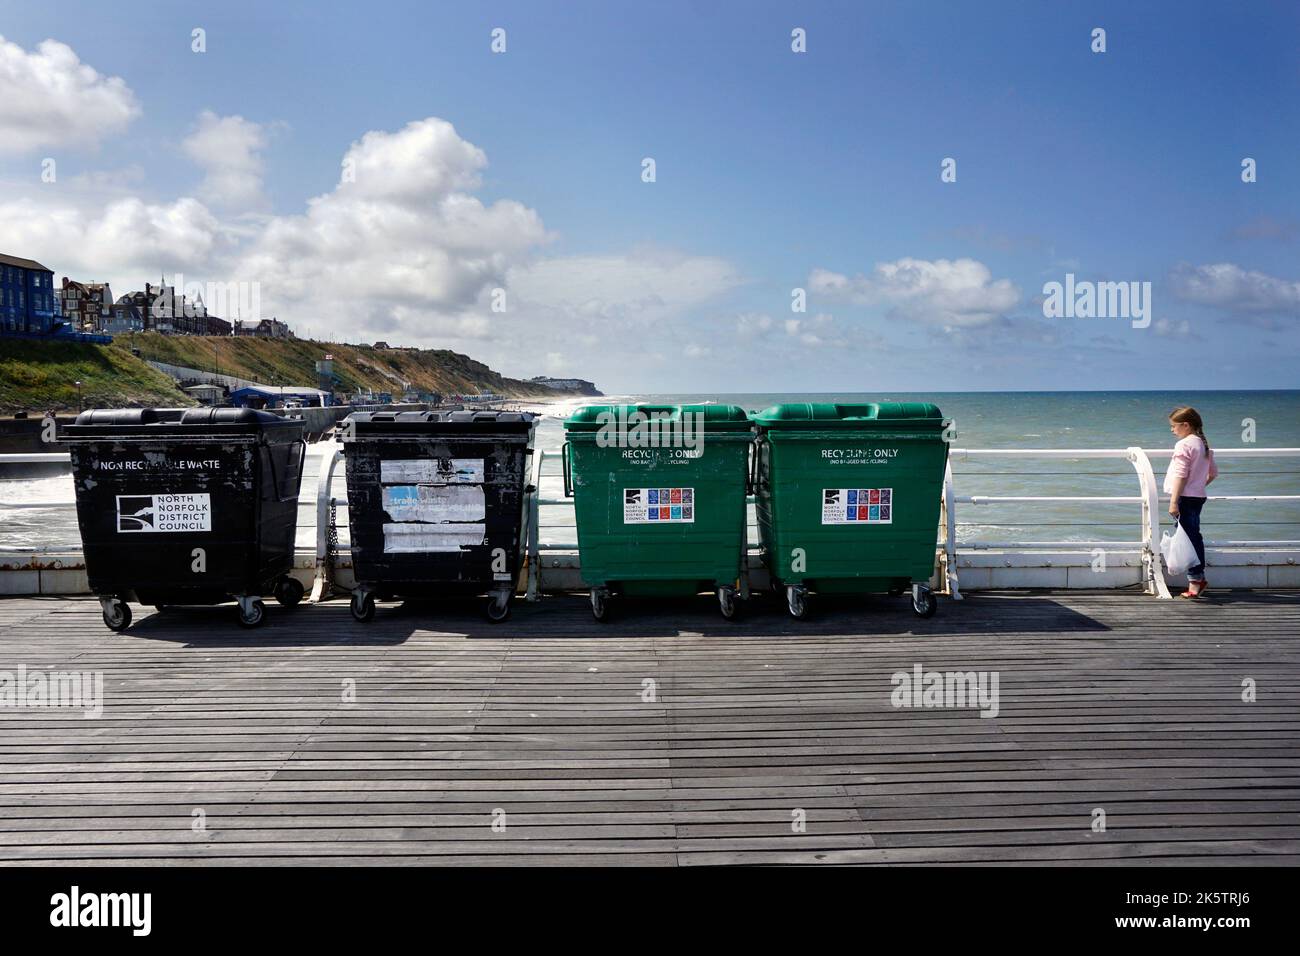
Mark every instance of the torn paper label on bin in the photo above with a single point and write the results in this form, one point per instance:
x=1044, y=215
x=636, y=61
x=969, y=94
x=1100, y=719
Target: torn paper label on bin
x=415, y=537
x=435, y=503
x=857, y=506
x=658, y=505
x=432, y=471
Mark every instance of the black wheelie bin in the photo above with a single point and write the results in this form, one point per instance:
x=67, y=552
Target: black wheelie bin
x=187, y=506
x=436, y=503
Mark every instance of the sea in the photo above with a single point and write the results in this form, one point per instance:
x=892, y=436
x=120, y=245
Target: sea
x=38, y=513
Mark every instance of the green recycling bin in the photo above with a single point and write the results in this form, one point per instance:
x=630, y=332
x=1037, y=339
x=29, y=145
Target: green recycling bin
x=659, y=498
x=847, y=498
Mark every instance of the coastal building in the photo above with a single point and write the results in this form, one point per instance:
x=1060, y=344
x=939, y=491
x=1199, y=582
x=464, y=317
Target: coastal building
x=123, y=317
x=266, y=329
x=162, y=310
x=86, y=305
x=154, y=307
x=579, y=385
x=279, y=396
x=206, y=394
x=27, y=297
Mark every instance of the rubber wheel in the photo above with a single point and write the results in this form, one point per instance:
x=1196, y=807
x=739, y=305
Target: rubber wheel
x=289, y=592
x=254, y=618
x=119, y=619
x=796, y=600
x=498, y=610
x=926, y=605
x=728, y=604
x=161, y=608
x=600, y=606
x=363, y=607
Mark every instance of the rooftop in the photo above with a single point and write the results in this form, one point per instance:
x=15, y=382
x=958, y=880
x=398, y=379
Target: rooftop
x=22, y=263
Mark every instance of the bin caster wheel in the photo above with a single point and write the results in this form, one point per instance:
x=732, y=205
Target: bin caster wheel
x=498, y=608
x=289, y=591
x=600, y=604
x=796, y=599
x=251, y=614
x=924, y=603
x=727, y=603
x=162, y=608
x=117, y=614
x=363, y=606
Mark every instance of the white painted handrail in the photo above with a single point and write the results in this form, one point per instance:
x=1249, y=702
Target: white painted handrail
x=1149, y=497
x=324, y=504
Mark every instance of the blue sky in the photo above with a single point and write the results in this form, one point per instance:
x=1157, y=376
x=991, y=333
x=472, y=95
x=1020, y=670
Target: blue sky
x=772, y=168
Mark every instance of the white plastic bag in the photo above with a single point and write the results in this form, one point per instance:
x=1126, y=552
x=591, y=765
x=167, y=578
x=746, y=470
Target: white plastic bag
x=1178, y=550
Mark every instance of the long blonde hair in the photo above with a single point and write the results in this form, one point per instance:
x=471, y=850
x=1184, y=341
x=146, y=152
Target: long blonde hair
x=1190, y=416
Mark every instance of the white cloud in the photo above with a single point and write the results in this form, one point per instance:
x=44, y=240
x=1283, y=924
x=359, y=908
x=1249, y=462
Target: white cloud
x=1231, y=287
x=949, y=293
x=803, y=329
x=48, y=97
x=228, y=150
x=425, y=160
x=399, y=248
x=123, y=241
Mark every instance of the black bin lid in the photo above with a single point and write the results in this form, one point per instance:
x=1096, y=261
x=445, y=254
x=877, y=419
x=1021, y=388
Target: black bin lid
x=460, y=422
x=99, y=423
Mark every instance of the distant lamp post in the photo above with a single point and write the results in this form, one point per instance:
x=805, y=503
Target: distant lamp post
x=80, y=406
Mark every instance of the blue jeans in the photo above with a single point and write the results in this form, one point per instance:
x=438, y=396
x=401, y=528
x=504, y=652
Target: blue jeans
x=1189, y=517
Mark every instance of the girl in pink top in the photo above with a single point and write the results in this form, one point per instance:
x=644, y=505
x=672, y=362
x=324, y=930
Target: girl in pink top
x=1190, y=469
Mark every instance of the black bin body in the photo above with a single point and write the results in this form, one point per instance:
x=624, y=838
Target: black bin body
x=155, y=484
x=435, y=498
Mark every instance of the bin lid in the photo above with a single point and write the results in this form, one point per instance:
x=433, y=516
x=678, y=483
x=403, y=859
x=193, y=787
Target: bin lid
x=109, y=423
x=851, y=416
x=592, y=418
x=460, y=421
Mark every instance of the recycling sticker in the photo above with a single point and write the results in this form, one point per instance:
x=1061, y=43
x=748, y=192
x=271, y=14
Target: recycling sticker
x=658, y=505
x=857, y=506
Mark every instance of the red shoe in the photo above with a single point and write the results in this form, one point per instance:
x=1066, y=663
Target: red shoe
x=1195, y=588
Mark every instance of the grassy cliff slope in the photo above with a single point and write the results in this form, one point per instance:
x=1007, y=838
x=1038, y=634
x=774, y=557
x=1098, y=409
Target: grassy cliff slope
x=293, y=362
x=37, y=375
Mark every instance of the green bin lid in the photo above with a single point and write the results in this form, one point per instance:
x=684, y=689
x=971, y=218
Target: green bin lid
x=830, y=415
x=591, y=418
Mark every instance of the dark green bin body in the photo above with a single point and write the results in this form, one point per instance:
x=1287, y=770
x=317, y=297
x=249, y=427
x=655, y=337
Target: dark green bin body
x=697, y=547
x=848, y=495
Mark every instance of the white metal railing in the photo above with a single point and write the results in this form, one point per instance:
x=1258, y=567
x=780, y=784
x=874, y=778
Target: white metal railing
x=1149, y=497
x=1146, y=544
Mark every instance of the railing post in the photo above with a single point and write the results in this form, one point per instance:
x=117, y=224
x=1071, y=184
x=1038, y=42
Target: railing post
x=322, y=584
x=949, y=506
x=1153, y=575
x=533, y=560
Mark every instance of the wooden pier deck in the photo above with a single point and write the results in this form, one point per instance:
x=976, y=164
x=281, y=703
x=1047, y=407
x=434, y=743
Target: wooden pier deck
x=1109, y=701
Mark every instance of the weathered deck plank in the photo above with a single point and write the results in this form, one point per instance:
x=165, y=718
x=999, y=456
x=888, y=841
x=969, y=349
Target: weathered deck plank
x=1108, y=701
